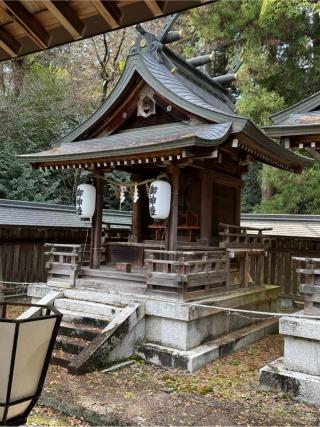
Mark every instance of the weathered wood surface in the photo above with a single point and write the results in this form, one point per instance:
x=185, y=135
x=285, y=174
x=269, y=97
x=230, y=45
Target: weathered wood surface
x=22, y=256
x=280, y=264
x=308, y=270
x=63, y=262
x=185, y=275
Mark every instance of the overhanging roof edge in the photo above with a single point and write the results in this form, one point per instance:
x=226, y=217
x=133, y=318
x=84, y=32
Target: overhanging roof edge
x=278, y=131
x=275, y=148
x=304, y=105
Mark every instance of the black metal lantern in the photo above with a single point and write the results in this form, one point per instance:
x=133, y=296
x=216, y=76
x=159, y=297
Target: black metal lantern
x=26, y=345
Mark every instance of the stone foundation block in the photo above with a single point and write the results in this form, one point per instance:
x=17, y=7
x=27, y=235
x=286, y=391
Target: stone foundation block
x=302, y=387
x=301, y=344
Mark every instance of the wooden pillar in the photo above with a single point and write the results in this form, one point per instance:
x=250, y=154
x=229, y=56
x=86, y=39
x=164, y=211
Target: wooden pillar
x=137, y=215
x=237, y=206
x=96, y=228
x=206, y=207
x=244, y=269
x=172, y=228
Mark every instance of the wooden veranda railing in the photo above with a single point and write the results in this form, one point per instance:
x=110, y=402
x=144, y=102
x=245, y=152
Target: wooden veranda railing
x=246, y=246
x=63, y=262
x=236, y=236
x=186, y=274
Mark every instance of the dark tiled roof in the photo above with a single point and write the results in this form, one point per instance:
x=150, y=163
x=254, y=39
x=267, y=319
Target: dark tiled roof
x=15, y=213
x=185, y=88
x=137, y=141
x=304, y=106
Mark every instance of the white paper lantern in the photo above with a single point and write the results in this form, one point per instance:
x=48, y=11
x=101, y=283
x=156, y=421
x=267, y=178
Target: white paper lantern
x=159, y=199
x=86, y=201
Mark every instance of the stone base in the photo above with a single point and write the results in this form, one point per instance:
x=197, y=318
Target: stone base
x=301, y=344
x=185, y=335
x=198, y=357
x=302, y=387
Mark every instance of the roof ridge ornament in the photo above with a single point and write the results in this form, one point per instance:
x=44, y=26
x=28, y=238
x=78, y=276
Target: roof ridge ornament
x=153, y=43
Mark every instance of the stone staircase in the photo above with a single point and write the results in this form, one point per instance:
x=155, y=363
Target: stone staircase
x=83, y=321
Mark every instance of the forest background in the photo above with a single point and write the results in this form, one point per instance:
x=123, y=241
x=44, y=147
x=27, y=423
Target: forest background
x=45, y=95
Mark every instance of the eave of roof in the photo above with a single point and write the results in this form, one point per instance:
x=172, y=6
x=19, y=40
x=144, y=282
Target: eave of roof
x=273, y=148
x=285, y=225
x=141, y=140
x=58, y=24
x=291, y=130
x=306, y=105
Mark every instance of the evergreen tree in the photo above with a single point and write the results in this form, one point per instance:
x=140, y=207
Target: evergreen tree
x=278, y=41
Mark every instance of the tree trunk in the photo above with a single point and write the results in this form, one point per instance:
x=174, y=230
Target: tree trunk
x=20, y=67
x=267, y=191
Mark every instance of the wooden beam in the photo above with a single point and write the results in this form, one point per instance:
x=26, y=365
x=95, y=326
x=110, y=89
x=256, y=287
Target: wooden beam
x=9, y=44
x=164, y=5
x=109, y=12
x=137, y=213
x=67, y=17
x=27, y=22
x=154, y=8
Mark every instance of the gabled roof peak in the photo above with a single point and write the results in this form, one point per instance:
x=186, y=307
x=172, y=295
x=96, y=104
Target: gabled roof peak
x=148, y=43
x=306, y=105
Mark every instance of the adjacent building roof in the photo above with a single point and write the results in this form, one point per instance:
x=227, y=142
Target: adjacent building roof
x=300, y=119
x=298, y=125
x=304, y=226
x=306, y=105
x=14, y=213
x=30, y=26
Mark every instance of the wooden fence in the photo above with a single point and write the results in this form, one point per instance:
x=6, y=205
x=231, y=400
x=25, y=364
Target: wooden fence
x=280, y=267
x=22, y=255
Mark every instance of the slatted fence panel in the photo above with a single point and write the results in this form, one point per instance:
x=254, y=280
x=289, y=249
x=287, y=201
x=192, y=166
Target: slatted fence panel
x=22, y=256
x=280, y=268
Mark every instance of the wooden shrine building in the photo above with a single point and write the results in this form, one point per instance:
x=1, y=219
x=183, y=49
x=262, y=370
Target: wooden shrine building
x=298, y=126
x=167, y=117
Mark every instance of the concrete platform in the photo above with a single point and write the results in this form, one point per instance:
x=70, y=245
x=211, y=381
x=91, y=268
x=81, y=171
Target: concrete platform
x=180, y=334
x=302, y=387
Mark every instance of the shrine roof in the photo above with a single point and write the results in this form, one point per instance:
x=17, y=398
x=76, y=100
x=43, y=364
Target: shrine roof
x=302, y=118
x=147, y=139
x=161, y=138
x=181, y=85
x=306, y=105
x=23, y=214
